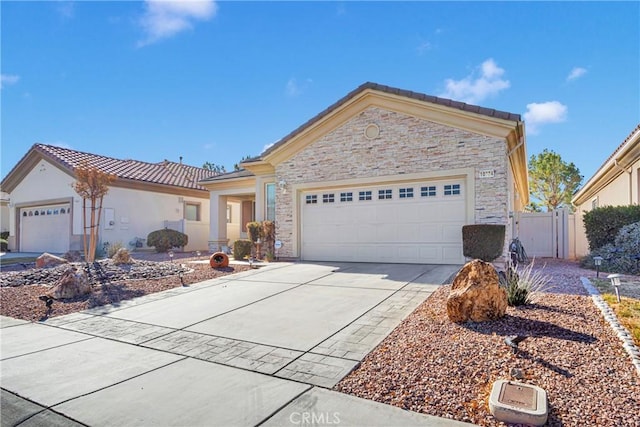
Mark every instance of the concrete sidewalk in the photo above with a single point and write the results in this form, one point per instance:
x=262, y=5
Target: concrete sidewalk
x=262, y=347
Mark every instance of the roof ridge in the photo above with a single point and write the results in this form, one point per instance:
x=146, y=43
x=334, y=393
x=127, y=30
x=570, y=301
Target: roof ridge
x=489, y=112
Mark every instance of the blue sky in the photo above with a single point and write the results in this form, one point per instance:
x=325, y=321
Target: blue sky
x=215, y=81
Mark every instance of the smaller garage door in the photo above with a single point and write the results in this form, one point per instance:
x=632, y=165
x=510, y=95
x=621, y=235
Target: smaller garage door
x=45, y=228
x=417, y=222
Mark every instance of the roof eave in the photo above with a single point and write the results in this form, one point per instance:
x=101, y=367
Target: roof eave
x=624, y=156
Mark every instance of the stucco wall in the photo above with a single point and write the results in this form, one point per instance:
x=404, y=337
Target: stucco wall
x=405, y=145
x=622, y=191
x=136, y=212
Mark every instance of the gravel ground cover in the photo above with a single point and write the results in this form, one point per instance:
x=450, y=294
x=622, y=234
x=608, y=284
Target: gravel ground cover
x=20, y=286
x=431, y=365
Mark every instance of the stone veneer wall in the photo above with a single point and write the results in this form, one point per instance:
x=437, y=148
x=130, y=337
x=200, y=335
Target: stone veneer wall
x=405, y=145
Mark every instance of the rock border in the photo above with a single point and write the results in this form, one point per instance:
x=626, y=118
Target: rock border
x=609, y=315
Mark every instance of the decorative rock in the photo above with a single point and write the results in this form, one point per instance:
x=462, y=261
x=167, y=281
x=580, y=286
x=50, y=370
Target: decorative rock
x=122, y=256
x=476, y=294
x=48, y=260
x=71, y=284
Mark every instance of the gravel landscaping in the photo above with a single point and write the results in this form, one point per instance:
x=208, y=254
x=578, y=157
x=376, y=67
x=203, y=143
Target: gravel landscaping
x=427, y=364
x=431, y=365
x=21, y=285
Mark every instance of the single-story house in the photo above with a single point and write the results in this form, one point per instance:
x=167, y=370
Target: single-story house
x=4, y=212
x=382, y=175
x=45, y=212
x=615, y=183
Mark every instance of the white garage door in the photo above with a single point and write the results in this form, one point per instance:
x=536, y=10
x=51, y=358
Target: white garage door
x=419, y=222
x=45, y=228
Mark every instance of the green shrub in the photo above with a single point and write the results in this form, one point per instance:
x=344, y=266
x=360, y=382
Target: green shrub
x=4, y=236
x=242, y=249
x=165, y=239
x=483, y=241
x=523, y=284
x=602, y=224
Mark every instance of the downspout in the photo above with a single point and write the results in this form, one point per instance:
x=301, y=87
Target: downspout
x=630, y=172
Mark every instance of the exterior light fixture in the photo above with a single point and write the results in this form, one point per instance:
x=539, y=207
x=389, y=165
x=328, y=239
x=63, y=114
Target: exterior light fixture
x=615, y=282
x=598, y=262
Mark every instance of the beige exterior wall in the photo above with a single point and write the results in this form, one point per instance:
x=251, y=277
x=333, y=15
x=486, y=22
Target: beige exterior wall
x=406, y=146
x=233, y=227
x=136, y=213
x=4, y=211
x=621, y=191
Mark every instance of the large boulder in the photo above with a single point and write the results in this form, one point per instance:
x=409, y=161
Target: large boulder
x=49, y=260
x=476, y=294
x=71, y=284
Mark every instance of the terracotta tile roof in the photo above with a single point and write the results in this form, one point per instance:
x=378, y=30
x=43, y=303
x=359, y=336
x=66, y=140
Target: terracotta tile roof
x=401, y=92
x=163, y=173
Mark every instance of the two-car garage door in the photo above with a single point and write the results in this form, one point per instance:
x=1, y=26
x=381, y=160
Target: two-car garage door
x=45, y=228
x=418, y=222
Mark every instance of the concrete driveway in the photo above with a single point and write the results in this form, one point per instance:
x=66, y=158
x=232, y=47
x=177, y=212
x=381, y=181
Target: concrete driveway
x=263, y=347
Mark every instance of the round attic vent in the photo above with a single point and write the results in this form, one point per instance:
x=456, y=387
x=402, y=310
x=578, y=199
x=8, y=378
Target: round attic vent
x=372, y=131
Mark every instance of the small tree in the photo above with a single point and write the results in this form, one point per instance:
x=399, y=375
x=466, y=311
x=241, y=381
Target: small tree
x=91, y=184
x=552, y=180
x=218, y=169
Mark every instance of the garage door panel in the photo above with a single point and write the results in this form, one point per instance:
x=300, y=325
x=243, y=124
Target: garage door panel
x=45, y=228
x=418, y=229
x=450, y=254
x=451, y=233
x=408, y=233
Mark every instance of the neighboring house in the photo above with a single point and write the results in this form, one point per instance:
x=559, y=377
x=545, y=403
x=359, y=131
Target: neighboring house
x=45, y=212
x=382, y=175
x=615, y=183
x=4, y=212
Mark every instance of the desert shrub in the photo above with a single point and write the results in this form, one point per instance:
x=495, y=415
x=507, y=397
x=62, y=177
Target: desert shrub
x=242, y=248
x=4, y=236
x=621, y=256
x=483, y=241
x=112, y=248
x=523, y=284
x=254, y=229
x=165, y=239
x=602, y=224
x=121, y=256
x=269, y=239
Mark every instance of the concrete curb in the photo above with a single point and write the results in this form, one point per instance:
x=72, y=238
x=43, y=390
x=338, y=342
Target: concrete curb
x=622, y=332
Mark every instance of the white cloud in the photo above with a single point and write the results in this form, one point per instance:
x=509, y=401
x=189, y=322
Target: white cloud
x=267, y=146
x=423, y=47
x=66, y=9
x=482, y=83
x=165, y=18
x=8, y=79
x=539, y=114
x=294, y=88
x=60, y=144
x=576, y=73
